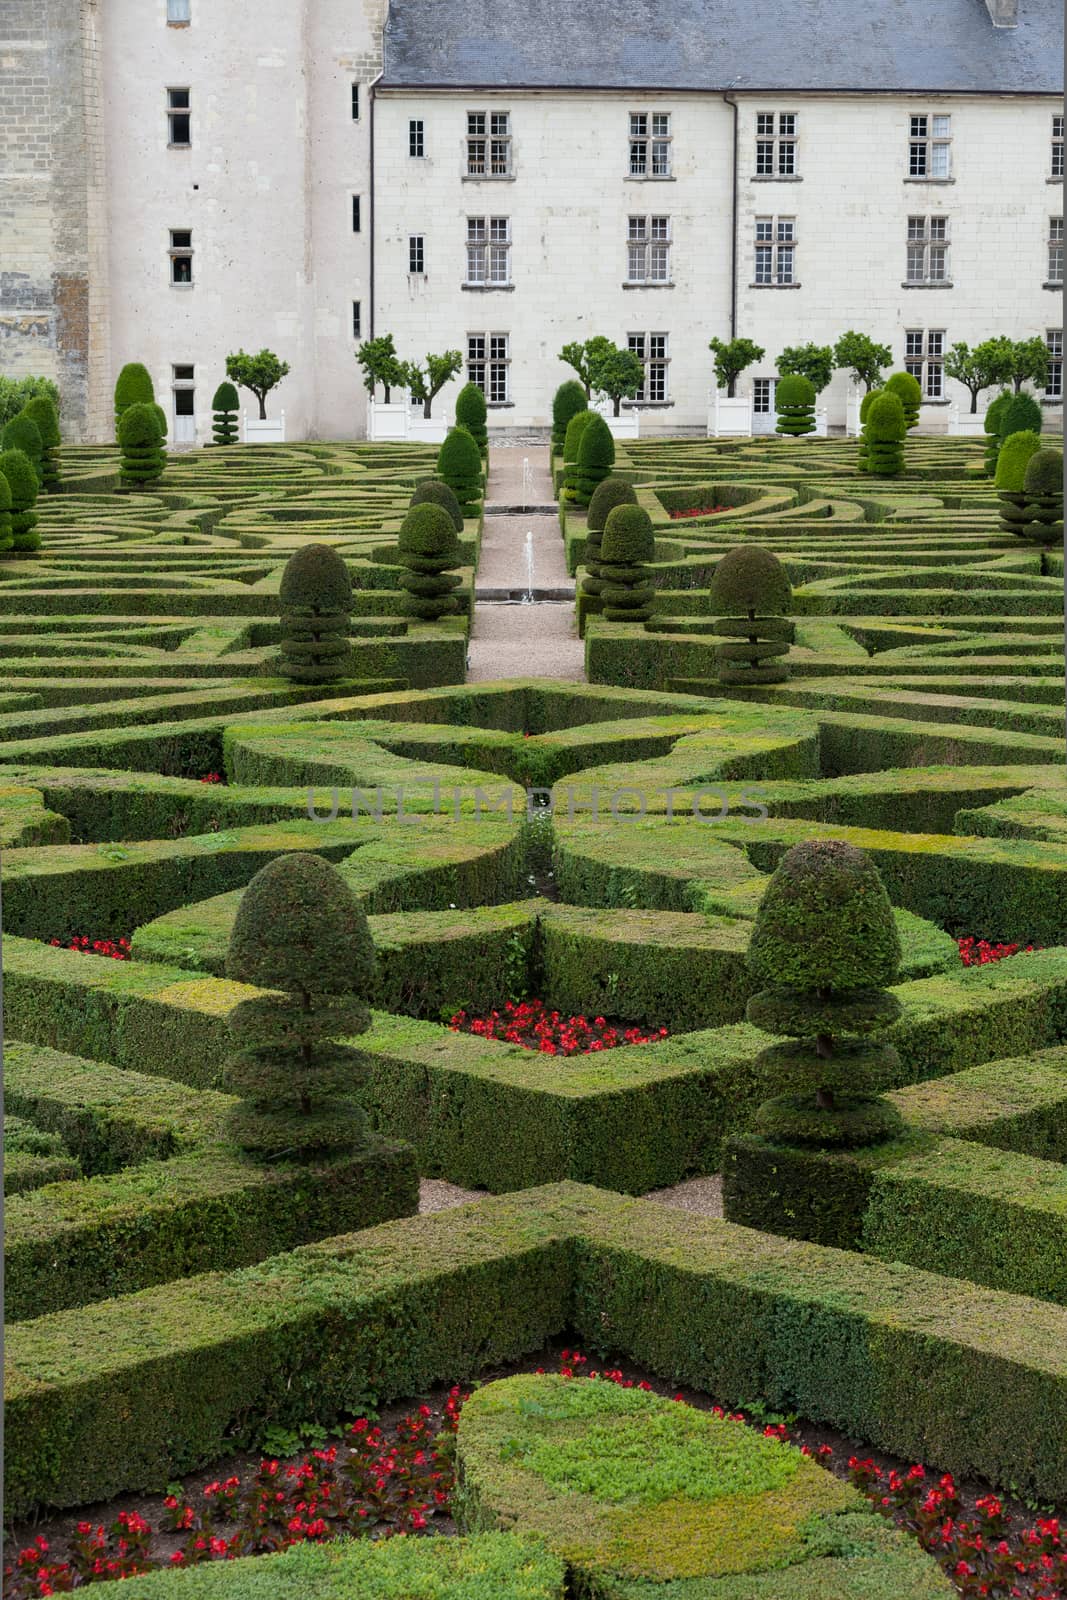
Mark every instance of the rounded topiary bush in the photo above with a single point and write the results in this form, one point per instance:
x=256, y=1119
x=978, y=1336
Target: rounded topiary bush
x=991, y=426
x=865, y=406
x=825, y=943
x=569, y=399
x=571, y=443
x=434, y=491
x=1016, y=452
x=161, y=418
x=1021, y=414
x=315, y=596
x=133, y=387
x=42, y=411
x=141, y=443
x=1043, y=496
x=908, y=391
x=596, y=457
x=225, y=405
x=608, y=494
x=6, y=535
x=794, y=400
x=884, y=431
x=428, y=550
x=471, y=414
x=17, y=470
x=299, y=932
x=459, y=463
x=22, y=433
x=751, y=590
x=627, y=545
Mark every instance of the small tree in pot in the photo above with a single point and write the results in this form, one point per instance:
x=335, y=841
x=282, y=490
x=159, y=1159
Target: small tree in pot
x=259, y=373
x=731, y=360
x=381, y=365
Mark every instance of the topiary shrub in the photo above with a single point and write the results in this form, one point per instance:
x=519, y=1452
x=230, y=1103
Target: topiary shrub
x=865, y=406
x=299, y=932
x=434, y=492
x=569, y=399
x=609, y=493
x=141, y=443
x=1021, y=414
x=225, y=405
x=161, y=418
x=1015, y=453
x=628, y=543
x=991, y=425
x=596, y=457
x=459, y=463
x=6, y=535
x=429, y=551
x=794, y=399
x=1042, y=521
x=571, y=443
x=42, y=410
x=17, y=469
x=471, y=414
x=132, y=388
x=22, y=433
x=884, y=431
x=825, y=944
x=908, y=391
x=315, y=595
x=751, y=589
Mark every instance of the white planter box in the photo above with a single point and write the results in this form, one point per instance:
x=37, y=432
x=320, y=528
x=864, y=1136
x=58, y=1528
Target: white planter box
x=852, y=413
x=426, y=430
x=272, y=431
x=626, y=426
x=387, y=424
x=729, y=418
x=966, y=425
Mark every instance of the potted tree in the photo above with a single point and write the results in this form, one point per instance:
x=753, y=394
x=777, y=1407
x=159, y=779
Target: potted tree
x=259, y=373
x=816, y=363
x=387, y=419
x=987, y=364
x=616, y=374
x=424, y=384
x=864, y=360
x=730, y=414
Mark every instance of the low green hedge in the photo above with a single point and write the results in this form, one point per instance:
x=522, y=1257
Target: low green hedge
x=1018, y=1104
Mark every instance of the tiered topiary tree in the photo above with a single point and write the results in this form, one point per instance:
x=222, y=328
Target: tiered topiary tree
x=225, y=406
x=596, y=457
x=315, y=596
x=908, y=391
x=141, y=443
x=884, y=431
x=608, y=494
x=133, y=387
x=17, y=469
x=572, y=440
x=300, y=933
x=568, y=400
x=1043, y=493
x=430, y=553
x=627, y=545
x=991, y=426
x=435, y=492
x=42, y=410
x=1012, y=462
x=794, y=399
x=750, y=589
x=7, y=538
x=459, y=463
x=865, y=406
x=825, y=944
x=471, y=414
x=22, y=433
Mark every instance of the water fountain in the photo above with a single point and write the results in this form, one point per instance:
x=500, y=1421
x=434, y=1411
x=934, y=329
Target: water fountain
x=528, y=597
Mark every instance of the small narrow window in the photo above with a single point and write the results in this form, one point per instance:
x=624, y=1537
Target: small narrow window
x=775, y=259
x=1057, y=147
x=181, y=257
x=651, y=350
x=650, y=144
x=357, y=320
x=355, y=102
x=923, y=358
x=929, y=146
x=355, y=213
x=178, y=12
x=1054, y=376
x=1055, y=249
x=416, y=142
x=416, y=254
x=179, y=117
x=762, y=396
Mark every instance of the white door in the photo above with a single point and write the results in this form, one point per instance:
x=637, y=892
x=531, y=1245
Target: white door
x=764, y=416
x=184, y=428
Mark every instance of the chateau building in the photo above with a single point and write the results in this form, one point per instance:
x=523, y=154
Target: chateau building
x=183, y=178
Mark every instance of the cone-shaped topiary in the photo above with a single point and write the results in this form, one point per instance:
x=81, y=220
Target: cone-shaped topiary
x=435, y=492
x=825, y=944
x=884, y=431
x=42, y=410
x=161, y=418
x=22, y=433
x=300, y=933
x=6, y=535
x=865, y=406
x=908, y=391
x=608, y=494
x=571, y=442
x=596, y=457
x=141, y=442
x=1041, y=519
x=991, y=425
x=429, y=551
x=225, y=406
x=17, y=469
x=459, y=463
x=132, y=388
x=471, y=414
x=568, y=400
x=628, y=543
x=1016, y=451
x=751, y=589
x=794, y=400
x=315, y=595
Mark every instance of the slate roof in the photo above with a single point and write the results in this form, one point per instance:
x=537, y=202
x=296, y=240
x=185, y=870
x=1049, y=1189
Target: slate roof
x=894, y=45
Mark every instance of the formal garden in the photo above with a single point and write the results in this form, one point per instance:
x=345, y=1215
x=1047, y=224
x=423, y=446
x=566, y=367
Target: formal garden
x=374, y=1037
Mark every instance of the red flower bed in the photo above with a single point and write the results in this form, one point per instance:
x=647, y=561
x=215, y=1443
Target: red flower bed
x=115, y=949
x=551, y=1034
x=979, y=952
x=212, y=777
x=698, y=511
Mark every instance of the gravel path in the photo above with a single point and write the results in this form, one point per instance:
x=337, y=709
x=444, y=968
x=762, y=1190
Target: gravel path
x=701, y=1196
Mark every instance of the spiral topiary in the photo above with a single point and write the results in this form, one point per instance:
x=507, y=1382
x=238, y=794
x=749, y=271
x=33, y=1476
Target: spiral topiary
x=459, y=463
x=225, y=405
x=825, y=944
x=1016, y=450
x=315, y=596
x=22, y=433
x=300, y=933
x=133, y=387
x=42, y=410
x=471, y=414
x=434, y=492
x=17, y=470
x=569, y=399
x=7, y=538
x=750, y=588
x=141, y=443
x=429, y=551
x=991, y=426
x=608, y=494
x=865, y=406
x=908, y=391
x=627, y=545
x=884, y=431
x=1042, y=518
x=571, y=443
x=794, y=399
x=596, y=457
